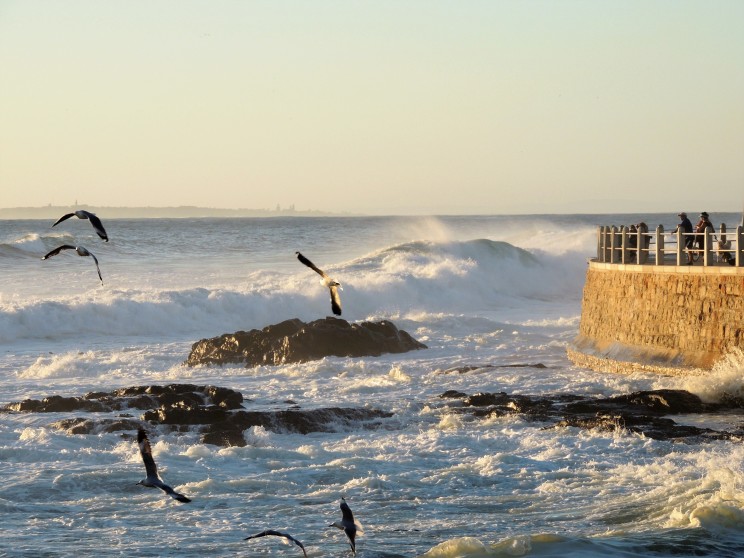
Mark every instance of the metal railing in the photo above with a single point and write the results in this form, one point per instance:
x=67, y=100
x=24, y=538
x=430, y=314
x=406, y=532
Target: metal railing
x=622, y=245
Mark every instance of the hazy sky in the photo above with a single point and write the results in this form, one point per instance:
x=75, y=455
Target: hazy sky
x=401, y=106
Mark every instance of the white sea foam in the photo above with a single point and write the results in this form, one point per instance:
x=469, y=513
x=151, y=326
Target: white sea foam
x=454, y=277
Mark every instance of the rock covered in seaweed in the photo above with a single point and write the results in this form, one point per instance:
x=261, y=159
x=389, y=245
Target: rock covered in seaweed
x=296, y=341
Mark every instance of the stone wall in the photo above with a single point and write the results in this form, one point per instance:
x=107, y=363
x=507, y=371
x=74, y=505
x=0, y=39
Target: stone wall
x=663, y=317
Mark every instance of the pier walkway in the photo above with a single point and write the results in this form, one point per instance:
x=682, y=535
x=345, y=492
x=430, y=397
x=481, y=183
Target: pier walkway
x=619, y=245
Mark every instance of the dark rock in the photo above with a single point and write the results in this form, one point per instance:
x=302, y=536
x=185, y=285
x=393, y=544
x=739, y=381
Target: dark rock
x=483, y=399
x=215, y=411
x=296, y=341
x=80, y=425
x=664, y=401
x=187, y=415
x=453, y=394
x=646, y=412
x=185, y=396
x=230, y=431
x=25, y=406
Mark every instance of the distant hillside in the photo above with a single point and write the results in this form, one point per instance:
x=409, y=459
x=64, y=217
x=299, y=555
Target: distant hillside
x=56, y=211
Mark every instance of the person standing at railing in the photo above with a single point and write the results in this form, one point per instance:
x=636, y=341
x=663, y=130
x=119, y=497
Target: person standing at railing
x=685, y=225
x=702, y=225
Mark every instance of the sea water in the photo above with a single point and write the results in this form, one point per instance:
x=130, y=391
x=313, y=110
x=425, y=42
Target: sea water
x=495, y=298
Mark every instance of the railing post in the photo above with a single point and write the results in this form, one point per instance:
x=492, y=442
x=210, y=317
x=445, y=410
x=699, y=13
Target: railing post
x=680, y=245
x=739, y=246
x=707, y=245
x=660, y=245
x=613, y=244
x=608, y=244
x=599, y=242
x=642, y=243
x=623, y=244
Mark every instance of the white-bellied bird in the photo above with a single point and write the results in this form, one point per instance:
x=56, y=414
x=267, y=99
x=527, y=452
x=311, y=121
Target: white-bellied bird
x=153, y=480
x=82, y=214
x=81, y=251
x=348, y=525
x=332, y=285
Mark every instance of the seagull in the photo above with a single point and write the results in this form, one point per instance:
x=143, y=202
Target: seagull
x=153, y=480
x=290, y=538
x=349, y=526
x=82, y=214
x=332, y=285
x=81, y=251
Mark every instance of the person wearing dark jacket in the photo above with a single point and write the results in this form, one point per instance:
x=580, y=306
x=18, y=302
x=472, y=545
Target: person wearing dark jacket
x=703, y=224
x=685, y=225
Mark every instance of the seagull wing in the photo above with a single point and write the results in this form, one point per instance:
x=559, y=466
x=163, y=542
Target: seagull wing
x=97, y=268
x=97, y=225
x=57, y=250
x=66, y=216
x=170, y=492
x=278, y=534
x=146, y=452
x=335, y=300
x=346, y=514
x=152, y=470
x=311, y=265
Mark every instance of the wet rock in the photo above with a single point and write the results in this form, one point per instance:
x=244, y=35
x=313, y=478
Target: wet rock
x=453, y=394
x=664, y=401
x=80, y=425
x=230, y=431
x=646, y=412
x=297, y=341
x=138, y=397
x=215, y=412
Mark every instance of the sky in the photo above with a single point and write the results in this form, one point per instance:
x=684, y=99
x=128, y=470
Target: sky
x=374, y=107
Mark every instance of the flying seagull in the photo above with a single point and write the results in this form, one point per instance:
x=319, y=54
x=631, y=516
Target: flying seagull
x=332, y=285
x=82, y=214
x=348, y=525
x=290, y=538
x=81, y=251
x=153, y=480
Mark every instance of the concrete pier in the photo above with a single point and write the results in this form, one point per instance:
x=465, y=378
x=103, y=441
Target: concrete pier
x=670, y=319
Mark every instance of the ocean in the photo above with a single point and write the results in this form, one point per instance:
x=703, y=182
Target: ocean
x=496, y=299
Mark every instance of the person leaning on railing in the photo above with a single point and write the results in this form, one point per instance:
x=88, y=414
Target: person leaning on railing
x=702, y=225
x=686, y=226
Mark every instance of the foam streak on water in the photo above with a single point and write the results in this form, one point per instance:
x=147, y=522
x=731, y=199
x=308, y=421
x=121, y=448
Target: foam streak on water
x=431, y=482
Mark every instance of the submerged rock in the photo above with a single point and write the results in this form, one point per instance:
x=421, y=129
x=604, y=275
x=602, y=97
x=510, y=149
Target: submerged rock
x=217, y=413
x=296, y=341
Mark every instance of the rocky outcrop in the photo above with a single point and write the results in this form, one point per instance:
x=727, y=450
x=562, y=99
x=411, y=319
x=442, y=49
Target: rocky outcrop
x=296, y=341
x=646, y=412
x=217, y=413
x=138, y=398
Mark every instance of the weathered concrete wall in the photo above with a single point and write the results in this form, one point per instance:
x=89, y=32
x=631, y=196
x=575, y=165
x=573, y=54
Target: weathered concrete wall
x=659, y=316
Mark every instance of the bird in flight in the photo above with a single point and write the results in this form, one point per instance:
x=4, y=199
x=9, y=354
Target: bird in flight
x=81, y=251
x=348, y=524
x=333, y=286
x=94, y=220
x=290, y=538
x=153, y=480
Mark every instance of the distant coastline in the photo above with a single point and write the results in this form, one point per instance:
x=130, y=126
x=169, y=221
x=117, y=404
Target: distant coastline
x=183, y=211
